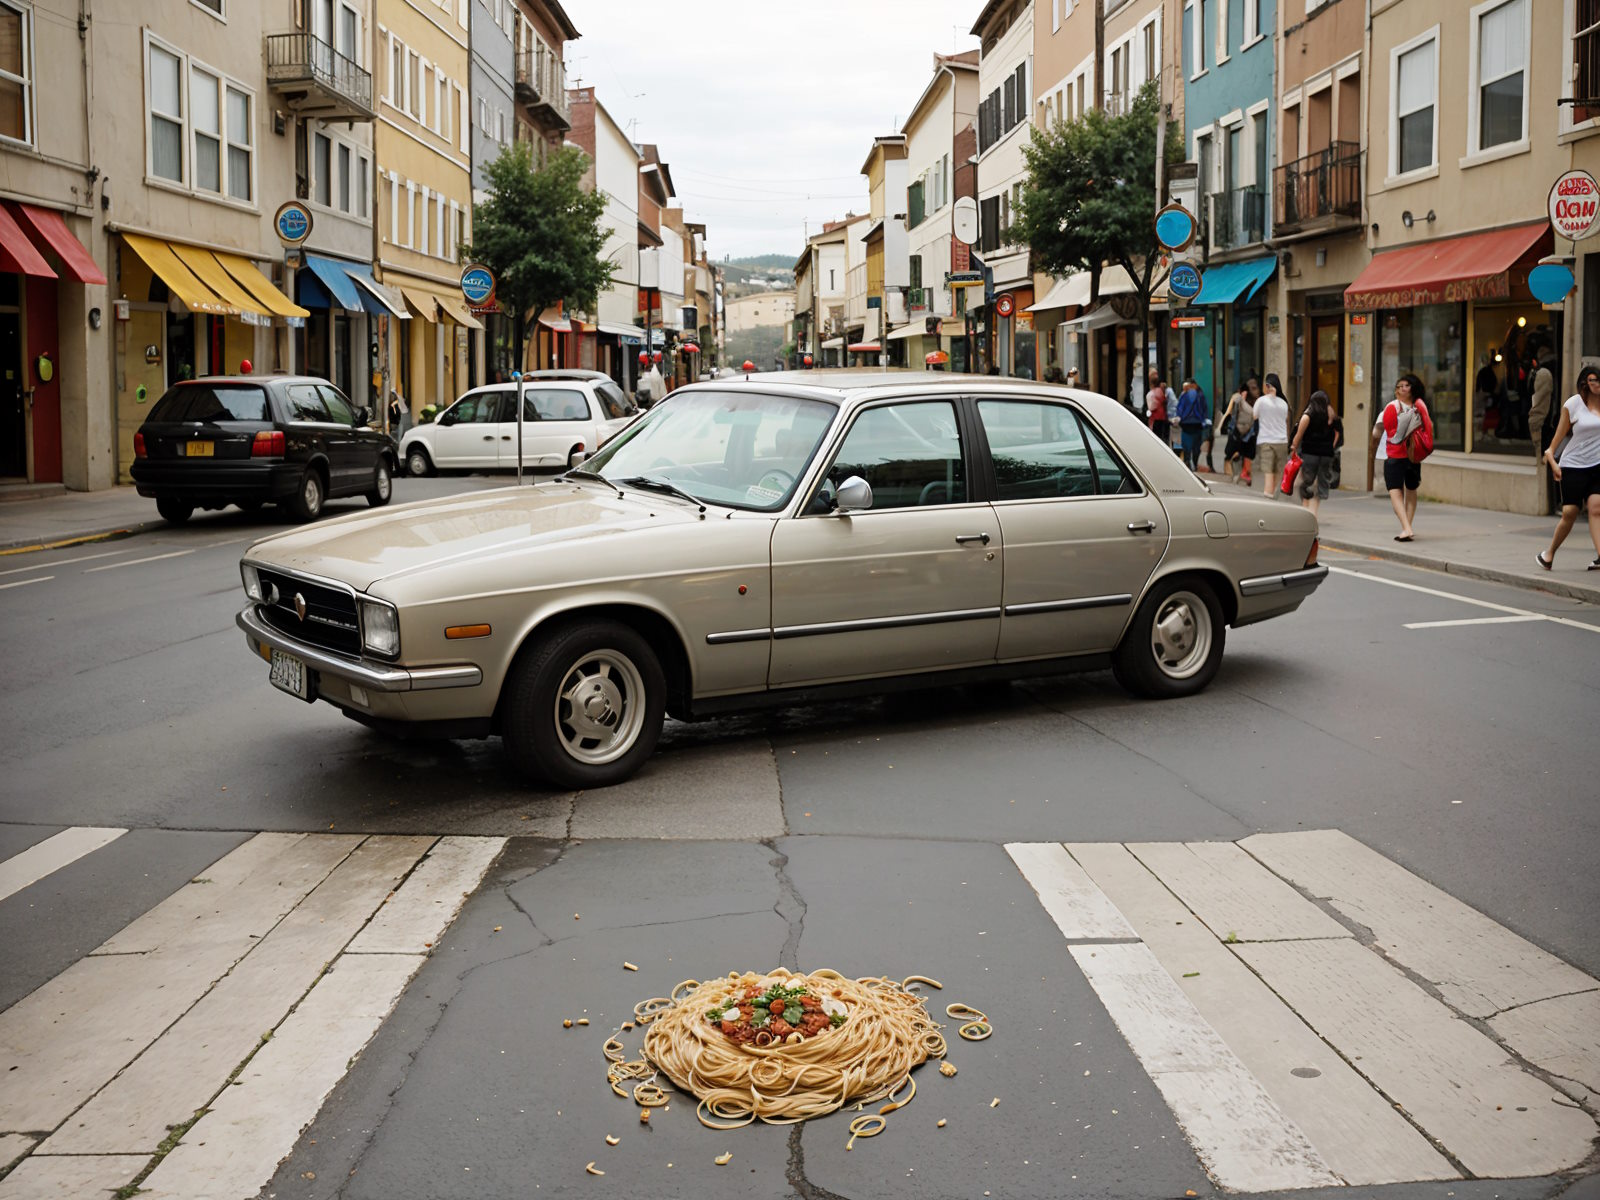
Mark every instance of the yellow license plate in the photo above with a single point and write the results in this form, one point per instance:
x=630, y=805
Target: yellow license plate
x=201, y=450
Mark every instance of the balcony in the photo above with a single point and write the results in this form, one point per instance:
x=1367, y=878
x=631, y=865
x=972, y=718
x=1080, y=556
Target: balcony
x=542, y=86
x=1319, y=192
x=1238, y=218
x=315, y=80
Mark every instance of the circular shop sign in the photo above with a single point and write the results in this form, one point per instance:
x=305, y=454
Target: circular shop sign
x=1175, y=227
x=1184, y=282
x=477, y=284
x=1004, y=305
x=293, y=223
x=1575, y=206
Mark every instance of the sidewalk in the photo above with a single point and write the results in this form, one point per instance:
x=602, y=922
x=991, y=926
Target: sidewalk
x=1473, y=542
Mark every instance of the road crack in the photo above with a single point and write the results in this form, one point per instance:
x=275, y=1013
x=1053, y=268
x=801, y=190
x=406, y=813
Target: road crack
x=790, y=905
x=794, y=1170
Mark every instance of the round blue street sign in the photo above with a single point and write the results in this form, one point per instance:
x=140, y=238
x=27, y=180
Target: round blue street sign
x=1184, y=282
x=477, y=284
x=293, y=223
x=1175, y=227
x=1550, y=283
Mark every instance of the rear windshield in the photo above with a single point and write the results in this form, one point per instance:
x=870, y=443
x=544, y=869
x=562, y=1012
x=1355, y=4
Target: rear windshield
x=212, y=402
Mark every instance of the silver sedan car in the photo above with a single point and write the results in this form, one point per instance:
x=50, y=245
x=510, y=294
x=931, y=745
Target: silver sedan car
x=773, y=540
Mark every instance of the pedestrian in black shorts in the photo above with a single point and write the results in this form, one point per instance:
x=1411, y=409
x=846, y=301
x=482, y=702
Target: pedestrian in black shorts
x=1578, y=469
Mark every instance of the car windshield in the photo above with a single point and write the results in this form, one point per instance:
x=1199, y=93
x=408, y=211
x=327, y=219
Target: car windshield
x=212, y=402
x=734, y=449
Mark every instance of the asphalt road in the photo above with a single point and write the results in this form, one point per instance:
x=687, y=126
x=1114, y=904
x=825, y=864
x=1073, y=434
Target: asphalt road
x=866, y=836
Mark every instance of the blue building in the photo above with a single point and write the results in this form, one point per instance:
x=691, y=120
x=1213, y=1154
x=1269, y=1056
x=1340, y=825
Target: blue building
x=1228, y=79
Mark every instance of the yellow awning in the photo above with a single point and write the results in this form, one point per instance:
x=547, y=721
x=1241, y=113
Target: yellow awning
x=424, y=304
x=455, y=307
x=258, y=285
x=170, y=269
x=209, y=271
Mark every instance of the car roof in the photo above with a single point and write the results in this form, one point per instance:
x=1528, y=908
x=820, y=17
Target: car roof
x=261, y=380
x=849, y=385
x=566, y=373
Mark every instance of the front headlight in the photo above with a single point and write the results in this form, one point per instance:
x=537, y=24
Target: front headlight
x=252, y=582
x=380, y=628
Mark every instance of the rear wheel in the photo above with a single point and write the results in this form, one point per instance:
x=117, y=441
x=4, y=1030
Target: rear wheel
x=418, y=463
x=173, y=511
x=584, y=706
x=382, y=485
x=306, y=503
x=1174, y=645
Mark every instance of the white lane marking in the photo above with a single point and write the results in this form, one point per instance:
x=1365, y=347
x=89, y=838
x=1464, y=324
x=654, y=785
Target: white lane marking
x=1428, y=591
x=1474, y=621
x=134, y=562
x=1075, y=904
x=62, y=562
x=50, y=855
x=26, y=582
x=1244, y=1139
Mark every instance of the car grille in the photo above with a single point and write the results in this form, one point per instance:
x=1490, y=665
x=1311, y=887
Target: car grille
x=330, y=622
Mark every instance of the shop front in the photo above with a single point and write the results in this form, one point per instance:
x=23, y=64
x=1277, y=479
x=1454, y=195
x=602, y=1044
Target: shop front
x=1014, y=338
x=1228, y=345
x=1457, y=313
x=435, y=355
x=339, y=339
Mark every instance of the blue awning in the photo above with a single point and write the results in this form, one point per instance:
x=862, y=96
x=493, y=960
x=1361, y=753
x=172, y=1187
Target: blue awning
x=375, y=298
x=331, y=275
x=1224, y=283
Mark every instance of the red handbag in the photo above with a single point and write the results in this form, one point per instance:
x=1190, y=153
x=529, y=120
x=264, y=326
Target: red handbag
x=1290, y=470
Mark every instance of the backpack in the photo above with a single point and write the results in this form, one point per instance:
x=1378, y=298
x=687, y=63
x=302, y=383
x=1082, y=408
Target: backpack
x=1420, y=444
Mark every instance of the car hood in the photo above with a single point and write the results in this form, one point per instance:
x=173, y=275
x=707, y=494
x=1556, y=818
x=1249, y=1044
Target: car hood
x=365, y=548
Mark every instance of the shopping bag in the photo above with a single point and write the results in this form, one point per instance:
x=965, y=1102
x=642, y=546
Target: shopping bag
x=1290, y=470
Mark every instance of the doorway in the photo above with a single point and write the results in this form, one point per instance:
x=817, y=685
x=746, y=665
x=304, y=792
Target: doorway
x=1327, y=364
x=13, y=405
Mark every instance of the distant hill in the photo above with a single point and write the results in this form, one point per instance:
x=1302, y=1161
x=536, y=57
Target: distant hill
x=764, y=262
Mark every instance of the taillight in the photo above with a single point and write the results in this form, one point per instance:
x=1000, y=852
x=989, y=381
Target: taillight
x=580, y=447
x=267, y=444
x=138, y=446
x=1311, y=559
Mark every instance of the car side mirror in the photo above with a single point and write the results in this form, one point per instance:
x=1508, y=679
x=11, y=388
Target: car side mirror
x=448, y=418
x=854, y=495
x=363, y=416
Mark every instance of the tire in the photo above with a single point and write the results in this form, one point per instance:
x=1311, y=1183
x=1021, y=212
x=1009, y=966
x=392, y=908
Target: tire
x=615, y=669
x=1174, y=645
x=174, y=511
x=417, y=462
x=306, y=503
x=382, y=485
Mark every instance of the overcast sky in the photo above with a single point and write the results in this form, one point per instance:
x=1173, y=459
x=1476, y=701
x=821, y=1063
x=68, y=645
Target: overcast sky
x=764, y=110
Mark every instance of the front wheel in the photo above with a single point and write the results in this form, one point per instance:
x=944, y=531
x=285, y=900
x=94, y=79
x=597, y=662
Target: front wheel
x=584, y=706
x=382, y=485
x=417, y=462
x=1174, y=645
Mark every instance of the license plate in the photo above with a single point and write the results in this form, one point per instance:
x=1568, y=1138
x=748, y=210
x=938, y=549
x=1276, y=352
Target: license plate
x=200, y=449
x=289, y=674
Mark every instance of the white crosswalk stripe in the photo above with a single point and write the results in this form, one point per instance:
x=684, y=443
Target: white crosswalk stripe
x=50, y=855
x=1244, y=996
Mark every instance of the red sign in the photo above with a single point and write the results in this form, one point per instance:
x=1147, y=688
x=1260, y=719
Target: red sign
x=649, y=300
x=1188, y=322
x=1359, y=319
x=1575, y=206
x=1005, y=305
x=960, y=256
x=1482, y=287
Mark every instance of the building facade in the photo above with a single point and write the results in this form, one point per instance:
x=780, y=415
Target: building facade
x=613, y=170
x=1006, y=83
x=888, y=268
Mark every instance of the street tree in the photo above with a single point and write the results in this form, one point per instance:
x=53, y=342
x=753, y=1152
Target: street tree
x=1090, y=197
x=540, y=231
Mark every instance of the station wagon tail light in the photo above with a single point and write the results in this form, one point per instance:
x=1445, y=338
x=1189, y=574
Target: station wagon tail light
x=380, y=628
x=138, y=446
x=1311, y=559
x=267, y=444
x=252, y=581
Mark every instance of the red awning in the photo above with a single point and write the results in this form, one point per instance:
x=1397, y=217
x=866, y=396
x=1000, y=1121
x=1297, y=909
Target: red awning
x=17, y=254
x=49, y=228
x=1474, y=267
x=863, y=348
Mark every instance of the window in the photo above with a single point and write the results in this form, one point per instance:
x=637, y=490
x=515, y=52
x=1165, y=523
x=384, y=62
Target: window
x=1415, y=81
x=441, y=108
x=322, y=170
x=1222, y=32
x=1502, y=61
x=614, y=400
x=1112, y=478
x=989, y=224
x=206, y=120
x=211, y=6
x=1252, y=22
x=166, y=115
x=362, y=167
x=1038, y=451
x=338, y=407
x=482, y=408
x=344, y=177
x=1585, y=59
x=1152, y=62
x=306, y=403
x=241, y=146
x=397, y=72
x=16, y=73
x=914, y=270
x=554, y=404
x=1197, y=38
x=909, y=453
x=211, y=402
x=914, y=211
x=349, y=39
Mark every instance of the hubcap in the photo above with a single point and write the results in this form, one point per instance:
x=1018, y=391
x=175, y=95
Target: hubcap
x=1180, y=636
x=383, y=481
x=600, y=707
x=419, y=465
x=313, y=493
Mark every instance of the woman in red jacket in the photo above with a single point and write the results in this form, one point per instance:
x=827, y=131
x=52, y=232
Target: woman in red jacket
x=1402, y=417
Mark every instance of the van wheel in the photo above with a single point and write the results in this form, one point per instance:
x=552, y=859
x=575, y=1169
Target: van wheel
x=306, y=503
x=1174, y=645
x=418, y=463
x=382, y=485
x=584, y=705
x=174, y=512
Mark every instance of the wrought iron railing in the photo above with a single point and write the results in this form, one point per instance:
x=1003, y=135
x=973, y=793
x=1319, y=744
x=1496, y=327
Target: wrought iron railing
x=542, y=74
x=1324, y=184
x=304, y=58
x=1238, y=217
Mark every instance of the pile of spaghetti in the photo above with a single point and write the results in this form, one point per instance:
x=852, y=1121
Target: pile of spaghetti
x=786, y=1047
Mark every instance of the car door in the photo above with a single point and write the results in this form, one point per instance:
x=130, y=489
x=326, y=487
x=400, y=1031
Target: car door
x=555, y=419
x=466, y=435
x=912, y=583
x=311, y=425
x=1081, y=533
x=350, y=466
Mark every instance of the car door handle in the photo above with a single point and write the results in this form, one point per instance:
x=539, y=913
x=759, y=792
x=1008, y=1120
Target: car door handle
x=505, y=437
x=963, y=538
x=488, y=437
x=1141, y=526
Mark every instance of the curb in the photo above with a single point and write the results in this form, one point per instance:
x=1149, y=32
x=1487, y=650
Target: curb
x=1550, y=584
x=26, y=545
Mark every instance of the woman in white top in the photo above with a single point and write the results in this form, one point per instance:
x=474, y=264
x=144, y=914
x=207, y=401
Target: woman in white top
x=1272, y=435
x=1578, y=468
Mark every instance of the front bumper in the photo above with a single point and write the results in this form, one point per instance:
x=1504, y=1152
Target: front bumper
x=377, y=677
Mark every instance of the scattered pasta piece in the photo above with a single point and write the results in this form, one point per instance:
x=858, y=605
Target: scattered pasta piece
x=593, y=1170
x=612, y=1139
x=723, y=1160
x=628, y=966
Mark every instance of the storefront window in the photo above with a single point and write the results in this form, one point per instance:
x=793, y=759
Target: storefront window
x=1248, y=349
x=1506, y=340
x=1025, y=347
x=180, y=347
x=1429, y=342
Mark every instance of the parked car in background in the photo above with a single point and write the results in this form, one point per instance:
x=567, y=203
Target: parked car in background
x=292, y=440
x=566, y=415
x=786, y=538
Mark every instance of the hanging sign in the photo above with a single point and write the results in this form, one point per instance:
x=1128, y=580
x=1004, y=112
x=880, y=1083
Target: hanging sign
x=477, y=288
x=1184, y=282
x=1188, y=322
x=1004, y=305
x=1551, y=282
x=1175, y=227
x=1575, y=206
x=292, y=223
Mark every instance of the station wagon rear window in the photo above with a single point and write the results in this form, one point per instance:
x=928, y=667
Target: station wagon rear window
x=212, y=402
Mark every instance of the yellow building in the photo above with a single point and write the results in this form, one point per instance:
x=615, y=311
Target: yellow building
x=887, y=270
x=423, y=140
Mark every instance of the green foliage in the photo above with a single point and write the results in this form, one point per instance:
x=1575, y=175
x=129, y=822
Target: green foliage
x=541, y=233
x=1091, y=192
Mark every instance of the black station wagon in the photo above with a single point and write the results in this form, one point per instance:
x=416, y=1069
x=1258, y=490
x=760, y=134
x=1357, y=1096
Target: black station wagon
x=290, y=440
